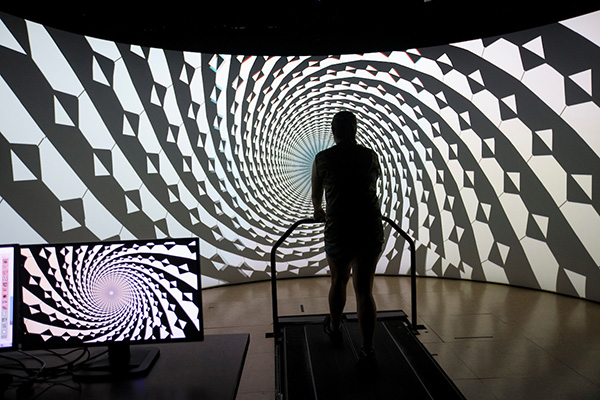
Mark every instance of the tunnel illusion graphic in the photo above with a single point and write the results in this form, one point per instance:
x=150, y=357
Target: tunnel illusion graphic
x=488, y=148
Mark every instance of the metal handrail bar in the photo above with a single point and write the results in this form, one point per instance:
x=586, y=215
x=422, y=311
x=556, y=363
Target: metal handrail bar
x=413, y=272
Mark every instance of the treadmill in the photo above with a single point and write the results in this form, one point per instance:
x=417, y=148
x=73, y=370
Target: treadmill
x=309, y=367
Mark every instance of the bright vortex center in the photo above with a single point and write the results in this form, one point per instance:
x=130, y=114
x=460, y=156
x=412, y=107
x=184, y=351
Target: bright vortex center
x=112, y=293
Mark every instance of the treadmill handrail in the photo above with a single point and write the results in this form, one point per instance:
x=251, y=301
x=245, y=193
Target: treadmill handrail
x=413, y=272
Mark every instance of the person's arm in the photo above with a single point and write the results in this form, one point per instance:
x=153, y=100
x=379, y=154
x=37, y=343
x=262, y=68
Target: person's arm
x=317, y=195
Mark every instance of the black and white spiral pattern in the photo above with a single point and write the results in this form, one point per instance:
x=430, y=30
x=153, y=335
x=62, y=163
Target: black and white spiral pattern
x=488, y=147
x=97, y=293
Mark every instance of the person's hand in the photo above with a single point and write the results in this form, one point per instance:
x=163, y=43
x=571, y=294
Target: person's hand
x=319, y=215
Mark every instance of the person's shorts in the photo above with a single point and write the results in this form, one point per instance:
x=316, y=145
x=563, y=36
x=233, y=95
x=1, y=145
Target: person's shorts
x=347, y=253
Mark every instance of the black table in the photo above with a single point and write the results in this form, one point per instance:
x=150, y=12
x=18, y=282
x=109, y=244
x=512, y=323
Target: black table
x=210, y=369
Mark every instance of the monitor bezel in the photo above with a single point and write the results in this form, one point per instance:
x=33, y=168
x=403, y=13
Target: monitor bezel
x=25, y=342
x=16, y=306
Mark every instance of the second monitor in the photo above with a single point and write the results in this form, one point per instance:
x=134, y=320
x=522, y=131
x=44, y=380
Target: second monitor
x=111, y=293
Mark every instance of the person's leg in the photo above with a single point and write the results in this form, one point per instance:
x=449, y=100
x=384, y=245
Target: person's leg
x=340, y=275
x=363, y=271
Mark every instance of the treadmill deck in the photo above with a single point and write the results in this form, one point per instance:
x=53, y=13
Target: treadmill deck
x=309, y=366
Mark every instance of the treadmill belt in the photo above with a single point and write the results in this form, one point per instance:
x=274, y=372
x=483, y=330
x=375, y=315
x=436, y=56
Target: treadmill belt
x=314, y=368
x=334, y=368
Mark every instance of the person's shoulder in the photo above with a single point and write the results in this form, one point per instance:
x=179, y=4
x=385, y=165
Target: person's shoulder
x=365, y=149
x=370, y=150
x=371, y=153
x=326, y=152
x=322, y=157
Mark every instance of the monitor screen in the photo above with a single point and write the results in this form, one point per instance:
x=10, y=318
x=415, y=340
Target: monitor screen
x=106, y=292
x=8, y=258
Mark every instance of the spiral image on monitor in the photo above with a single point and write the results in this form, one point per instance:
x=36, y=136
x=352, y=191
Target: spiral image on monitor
x=101, y=293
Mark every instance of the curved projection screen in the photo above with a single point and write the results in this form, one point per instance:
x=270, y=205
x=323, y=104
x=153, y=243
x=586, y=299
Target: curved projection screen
x=489, y=149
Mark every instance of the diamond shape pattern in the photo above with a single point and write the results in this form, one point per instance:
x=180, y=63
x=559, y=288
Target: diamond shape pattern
x=488, y=147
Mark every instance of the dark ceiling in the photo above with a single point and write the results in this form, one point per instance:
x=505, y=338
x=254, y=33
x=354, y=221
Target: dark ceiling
x=300, y=27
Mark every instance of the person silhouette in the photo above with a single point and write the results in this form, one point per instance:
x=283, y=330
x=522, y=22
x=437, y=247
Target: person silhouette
x=347, y=174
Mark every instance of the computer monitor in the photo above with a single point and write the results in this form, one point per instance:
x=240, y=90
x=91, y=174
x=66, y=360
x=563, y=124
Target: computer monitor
x=114, y=294
x=9, y=256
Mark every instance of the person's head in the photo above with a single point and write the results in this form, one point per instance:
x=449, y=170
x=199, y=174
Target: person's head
x=343, y=127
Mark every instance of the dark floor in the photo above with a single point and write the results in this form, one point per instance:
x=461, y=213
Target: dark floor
x=494, y=341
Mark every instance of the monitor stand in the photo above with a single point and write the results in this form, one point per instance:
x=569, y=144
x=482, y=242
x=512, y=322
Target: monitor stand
x=123, y=362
